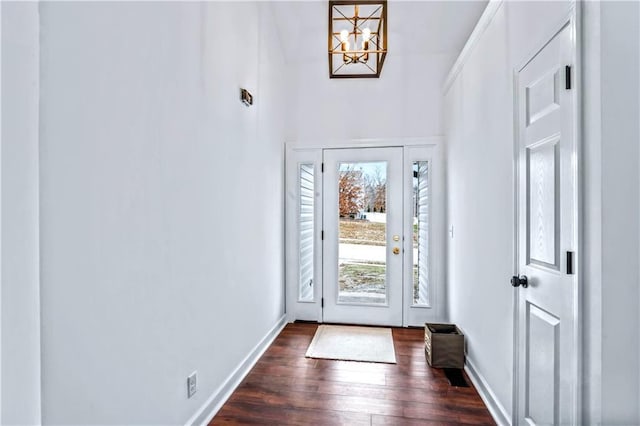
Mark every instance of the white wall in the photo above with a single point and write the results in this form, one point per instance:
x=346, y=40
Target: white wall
x=20, y=258
x=480, y=207
x=612, y=209
x=592, y=215
x=405, y=102
x=0, y=214
x=154, y=263
x=479, y=134
x=620, y=41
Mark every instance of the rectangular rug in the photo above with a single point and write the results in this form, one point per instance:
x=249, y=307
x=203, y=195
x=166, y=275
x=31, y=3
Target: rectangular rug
x=351, y=343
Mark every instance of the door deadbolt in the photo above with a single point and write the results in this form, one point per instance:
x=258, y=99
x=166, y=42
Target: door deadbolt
x=396, y=238
x=396, y=250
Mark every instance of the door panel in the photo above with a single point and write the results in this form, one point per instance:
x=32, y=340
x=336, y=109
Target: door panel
x=362, y=261
x=547, y=337
x=542, y=96
x=542, y=363
x=542, y=209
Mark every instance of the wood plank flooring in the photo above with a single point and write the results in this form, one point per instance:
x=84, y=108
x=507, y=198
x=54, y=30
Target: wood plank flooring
x=285, y=388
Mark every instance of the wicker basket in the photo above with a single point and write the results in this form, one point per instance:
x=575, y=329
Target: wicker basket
x=444, y=345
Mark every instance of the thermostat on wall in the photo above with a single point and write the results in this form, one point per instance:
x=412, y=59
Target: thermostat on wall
x=246, y=97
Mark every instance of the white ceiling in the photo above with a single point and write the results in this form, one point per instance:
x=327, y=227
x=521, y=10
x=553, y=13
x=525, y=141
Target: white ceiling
x=427, y=27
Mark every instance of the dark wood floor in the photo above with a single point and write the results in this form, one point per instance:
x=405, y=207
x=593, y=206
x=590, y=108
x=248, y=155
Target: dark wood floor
x=286, y=388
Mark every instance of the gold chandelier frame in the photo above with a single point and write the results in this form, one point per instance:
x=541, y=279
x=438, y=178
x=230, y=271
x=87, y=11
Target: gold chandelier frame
x=368, y=29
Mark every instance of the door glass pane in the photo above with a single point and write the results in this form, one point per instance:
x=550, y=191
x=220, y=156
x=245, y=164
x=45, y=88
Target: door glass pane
x=420, y=233
x=306, y=232
x=362, y=208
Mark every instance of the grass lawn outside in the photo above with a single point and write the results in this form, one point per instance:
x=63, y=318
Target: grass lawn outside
x=367, y=233
x=362, y=278
x=362, y=232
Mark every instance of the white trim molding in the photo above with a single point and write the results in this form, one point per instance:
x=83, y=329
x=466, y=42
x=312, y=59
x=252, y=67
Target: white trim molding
x=213, y=404
x=497, y=410
x=364, y=143
x=0, y=216
x=483, y=23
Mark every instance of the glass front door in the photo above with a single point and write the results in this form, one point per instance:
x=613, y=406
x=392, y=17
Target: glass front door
x=363, y=242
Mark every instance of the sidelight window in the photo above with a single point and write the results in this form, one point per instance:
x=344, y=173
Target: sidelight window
x=420, y=246
x=306, y=226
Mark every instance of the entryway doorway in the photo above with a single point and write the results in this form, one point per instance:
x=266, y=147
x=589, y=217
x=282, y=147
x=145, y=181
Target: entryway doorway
x=365, y=234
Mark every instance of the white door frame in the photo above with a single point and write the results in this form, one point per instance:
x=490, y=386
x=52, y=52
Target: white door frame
x=573, y=19
x=312, y=150
x=416, y=315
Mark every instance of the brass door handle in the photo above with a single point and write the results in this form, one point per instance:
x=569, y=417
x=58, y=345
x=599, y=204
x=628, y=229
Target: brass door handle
x=396, y=250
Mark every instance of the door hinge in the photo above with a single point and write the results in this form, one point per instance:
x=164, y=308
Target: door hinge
x=322, y=167
x=322, y=235
x=322, y=302
x=570, y=263
x=567, y=77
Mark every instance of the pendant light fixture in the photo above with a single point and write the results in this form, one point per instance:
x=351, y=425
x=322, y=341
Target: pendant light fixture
x=357, y=38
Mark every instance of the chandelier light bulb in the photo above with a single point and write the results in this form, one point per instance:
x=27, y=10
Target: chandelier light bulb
x=366, y=34
x=344, y=35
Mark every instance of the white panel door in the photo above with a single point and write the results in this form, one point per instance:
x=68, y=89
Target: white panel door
x=547, y=287
x=362, y=247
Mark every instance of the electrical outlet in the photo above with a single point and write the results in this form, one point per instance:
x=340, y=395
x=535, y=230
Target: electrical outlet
x=192, y=384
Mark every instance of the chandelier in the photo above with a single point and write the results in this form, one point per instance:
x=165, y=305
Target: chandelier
x=357, y=38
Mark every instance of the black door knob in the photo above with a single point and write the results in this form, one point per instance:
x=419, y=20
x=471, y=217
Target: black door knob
x=522, y=280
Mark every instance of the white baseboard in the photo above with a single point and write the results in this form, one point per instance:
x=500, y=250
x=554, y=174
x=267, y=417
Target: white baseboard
x=499, y=414
x=204, y=415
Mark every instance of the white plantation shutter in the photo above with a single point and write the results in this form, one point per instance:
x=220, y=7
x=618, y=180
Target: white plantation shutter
x=422, y=213
x=306, y=232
